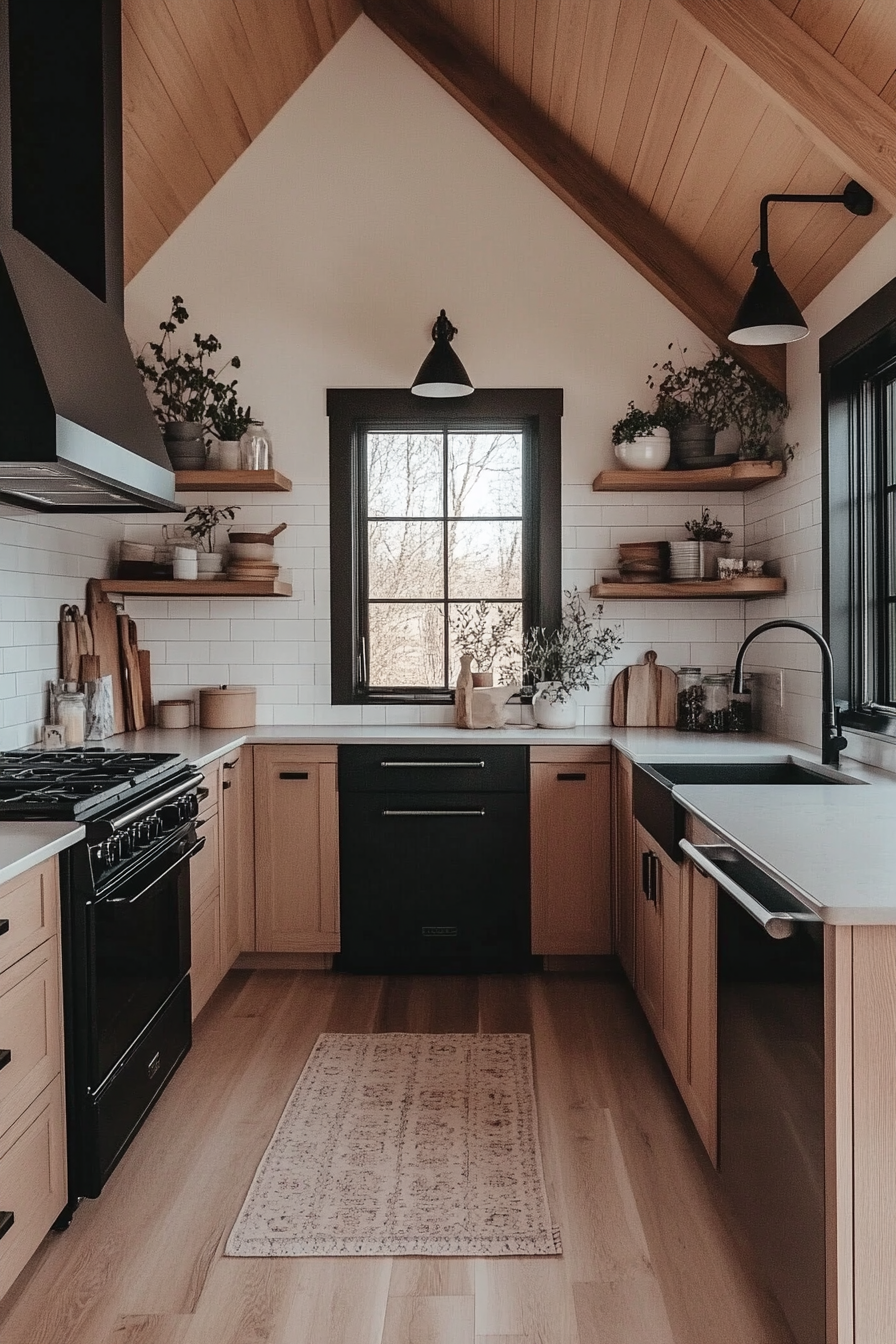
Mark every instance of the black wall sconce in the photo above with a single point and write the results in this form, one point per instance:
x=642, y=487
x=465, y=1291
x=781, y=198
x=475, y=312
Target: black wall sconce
x=441, y=373
x=768, y=314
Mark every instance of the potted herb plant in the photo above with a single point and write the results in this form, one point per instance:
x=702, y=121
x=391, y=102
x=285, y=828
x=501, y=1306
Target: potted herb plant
x=485, y=632
x=183, y=386
x=228, y=421
x=565, y=660
x=641, y=438
x=711, y=396
x=699, y=557
x=201, y=523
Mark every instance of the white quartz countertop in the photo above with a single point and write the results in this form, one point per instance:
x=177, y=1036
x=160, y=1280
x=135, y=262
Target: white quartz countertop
x=832, y=846
x=24, y=844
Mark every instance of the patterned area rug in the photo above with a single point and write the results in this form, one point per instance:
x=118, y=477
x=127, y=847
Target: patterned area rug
x=404, y=1144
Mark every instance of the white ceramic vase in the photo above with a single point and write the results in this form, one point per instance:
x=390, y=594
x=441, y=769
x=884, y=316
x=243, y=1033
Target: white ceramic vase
x=550, y=712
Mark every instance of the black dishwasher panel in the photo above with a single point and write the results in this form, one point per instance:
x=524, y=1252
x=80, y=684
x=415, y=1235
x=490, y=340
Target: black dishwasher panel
x=434, y=881
x=431, y=769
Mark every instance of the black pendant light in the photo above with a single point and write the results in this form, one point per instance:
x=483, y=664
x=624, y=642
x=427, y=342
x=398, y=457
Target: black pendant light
x=441, y=373
x=768, y=314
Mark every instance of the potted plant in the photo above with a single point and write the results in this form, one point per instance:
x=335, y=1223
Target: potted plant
x=641, y=438
x=228, y=421
x=201, y=523
x=564, y=660
x=699, y=557
x=485, y=632
x=182, y=386
x=711, y=396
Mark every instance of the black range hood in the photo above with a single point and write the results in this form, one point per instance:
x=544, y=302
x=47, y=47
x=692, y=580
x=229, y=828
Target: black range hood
x=77, y=433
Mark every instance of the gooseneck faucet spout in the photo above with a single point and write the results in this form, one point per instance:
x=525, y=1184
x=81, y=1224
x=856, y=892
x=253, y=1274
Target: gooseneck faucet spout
x=832, y=743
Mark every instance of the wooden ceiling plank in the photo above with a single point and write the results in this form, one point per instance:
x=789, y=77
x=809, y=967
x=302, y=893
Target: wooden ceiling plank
x=217, y=41
x=868, y=47
x=145, y=232
x=824, y=21
x=669, y=265
x=774, y=153
x=205, y=52
x=693, y=119
x=597, y=47
x=161, y=131
x=262, y=25
x=332, y=18
x=834, y=108
x=544, y=44
x=506, y=15
x=523, y=44
x=151, y=179
x=568, y=48
x=675, y=89
x=643, y=91
x=732, y=120
x=219, y=139
x=626, y=45
x=859, y=231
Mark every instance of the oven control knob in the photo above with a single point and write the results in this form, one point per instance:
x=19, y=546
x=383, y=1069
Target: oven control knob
x=125, y=844
x=192, y=801
x=169, y=817
x=155, y=826
x=97, y=859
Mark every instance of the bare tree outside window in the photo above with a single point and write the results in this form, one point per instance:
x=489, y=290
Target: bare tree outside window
x=444, y=532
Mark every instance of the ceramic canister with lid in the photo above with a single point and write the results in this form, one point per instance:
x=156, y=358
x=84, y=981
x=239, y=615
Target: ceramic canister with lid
x=227, y=707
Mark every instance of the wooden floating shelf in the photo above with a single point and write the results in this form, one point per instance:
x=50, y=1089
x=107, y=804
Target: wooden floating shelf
x=744, y=589
x=198, y=587
x=221, y=481
x=739, y=476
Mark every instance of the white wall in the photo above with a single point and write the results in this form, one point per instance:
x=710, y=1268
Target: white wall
x=322, y=258
x=783, y=521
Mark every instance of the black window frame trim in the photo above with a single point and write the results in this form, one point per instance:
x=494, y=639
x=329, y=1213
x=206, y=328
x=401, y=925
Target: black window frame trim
x=850, y=354
x=350, y=411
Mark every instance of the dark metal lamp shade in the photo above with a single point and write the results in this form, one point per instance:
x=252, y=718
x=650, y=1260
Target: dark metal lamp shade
x=441, y=373
x=768, y=315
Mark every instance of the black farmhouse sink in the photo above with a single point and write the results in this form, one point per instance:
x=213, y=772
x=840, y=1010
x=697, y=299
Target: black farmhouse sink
x=749, y=772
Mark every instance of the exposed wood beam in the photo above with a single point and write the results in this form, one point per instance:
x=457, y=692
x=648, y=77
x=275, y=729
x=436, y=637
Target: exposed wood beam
x=837, y=112
x=596, y=197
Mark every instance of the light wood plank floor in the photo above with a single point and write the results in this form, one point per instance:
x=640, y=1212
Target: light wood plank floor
x=650, y=1256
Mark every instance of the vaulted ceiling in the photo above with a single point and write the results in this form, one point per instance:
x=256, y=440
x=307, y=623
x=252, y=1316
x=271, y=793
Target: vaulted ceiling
x=661, y=122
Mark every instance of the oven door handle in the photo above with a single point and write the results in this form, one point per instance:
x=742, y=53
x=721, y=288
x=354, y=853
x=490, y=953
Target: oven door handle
x=156, y=801
x=132, y=900
x=777, y=923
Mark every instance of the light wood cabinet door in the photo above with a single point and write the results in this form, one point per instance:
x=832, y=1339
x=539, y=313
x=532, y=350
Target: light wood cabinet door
x=700, y=1086
x=238, y=863
x=32, y=1179
x=649, y=921
x=625, y=891
x=662, y=957
x=296, y=849
x=30, y=1029
x=29, y=911
x=205, y=967
x=205, y=867
x=571, y=859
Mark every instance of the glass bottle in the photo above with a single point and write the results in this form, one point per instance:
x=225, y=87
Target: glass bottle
x=71, y=714
x=256, y=448
x=740, y=710
x=716, y=700
x=690, y=700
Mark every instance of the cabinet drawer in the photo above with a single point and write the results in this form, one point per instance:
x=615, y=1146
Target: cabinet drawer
x=30, y=1029
x=32, y=1179
x=429, y=769
x=29, y=912
x=205, y=868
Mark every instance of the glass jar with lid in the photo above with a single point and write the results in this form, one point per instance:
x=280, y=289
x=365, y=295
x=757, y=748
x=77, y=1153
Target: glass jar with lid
x=256, y=448
x=740, y=709
x=689, y=709
x=71, y=713
x=716, y=701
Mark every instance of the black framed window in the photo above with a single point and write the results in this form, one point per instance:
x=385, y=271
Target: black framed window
x=858, y=366
x=440, y=511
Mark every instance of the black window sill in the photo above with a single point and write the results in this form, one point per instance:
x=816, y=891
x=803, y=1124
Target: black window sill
x=874, y=722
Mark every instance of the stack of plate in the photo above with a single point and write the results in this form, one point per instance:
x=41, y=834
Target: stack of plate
x=252, y=569
x=684, y=561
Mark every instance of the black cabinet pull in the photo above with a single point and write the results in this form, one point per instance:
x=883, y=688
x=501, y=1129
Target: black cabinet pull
x=4, y=926
x=5, y=1057
x=648, y=875
x=6, y=1221
x=293, y=774
x=231, y=765
x=227, y=784
x=582, y=776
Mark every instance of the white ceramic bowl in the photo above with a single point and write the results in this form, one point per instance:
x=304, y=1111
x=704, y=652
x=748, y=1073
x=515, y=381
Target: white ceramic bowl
x=651, y=452
x=252, y=550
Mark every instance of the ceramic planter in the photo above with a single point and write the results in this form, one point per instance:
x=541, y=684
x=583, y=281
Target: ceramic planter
x=209, y=563
x=648, y=452
x=185, y=445
x=692, y=439
x=550, y=712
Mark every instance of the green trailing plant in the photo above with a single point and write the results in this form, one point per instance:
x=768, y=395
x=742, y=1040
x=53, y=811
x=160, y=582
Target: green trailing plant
x=569, y=656
x=635, y=424
x=182, y=384
x=721, y=392
x=202, y=522
x=706, y=528
x=487, y=640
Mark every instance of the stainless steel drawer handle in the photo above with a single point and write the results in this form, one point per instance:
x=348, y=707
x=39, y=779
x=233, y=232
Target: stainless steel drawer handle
x=433, y=812
x=777, y=923
x=432, y=765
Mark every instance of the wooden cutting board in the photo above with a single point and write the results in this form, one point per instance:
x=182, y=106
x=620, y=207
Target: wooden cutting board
x=69, y=653
x=645, y=696
x=104, y=627
x=130, y=668
x=145, y=684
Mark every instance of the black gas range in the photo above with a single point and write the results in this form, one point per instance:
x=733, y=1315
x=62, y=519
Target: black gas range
x=125, y=896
